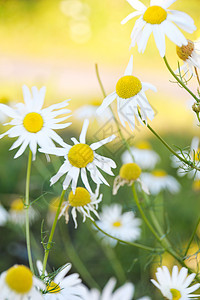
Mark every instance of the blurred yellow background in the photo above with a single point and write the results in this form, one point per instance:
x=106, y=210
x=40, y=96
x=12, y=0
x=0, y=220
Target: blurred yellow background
x=57, y=43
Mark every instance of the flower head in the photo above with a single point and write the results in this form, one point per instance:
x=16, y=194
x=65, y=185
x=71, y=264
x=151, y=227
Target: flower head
x=124, y=226
x=131, y=99
x=17, y=212
x=175, y=286
x=128, y=174
x=79, y=158
x=143, y=154
x=190, y=57
x=61, y=286
x=83, y=202
x=158, y=180
x=19, y=283
x=157, y=18
x=33, y=125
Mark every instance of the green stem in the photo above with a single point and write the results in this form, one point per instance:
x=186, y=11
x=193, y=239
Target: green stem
x=76, y=260
x=171, y=150
x=180, y=81
x=49, y=244
x=27, y=205
x=192, y=237
x=110, y=253
x=160, y=240
x=128, y=243
x=126, y=144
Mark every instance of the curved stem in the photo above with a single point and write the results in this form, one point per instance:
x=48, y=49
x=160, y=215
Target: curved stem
x=197, y=75
x=128, y=243
x=171, y=150
x=160, y=240
x=179, y=81
x=49, y=244
x=192, y=237
x=126, y=144
x=27, y=205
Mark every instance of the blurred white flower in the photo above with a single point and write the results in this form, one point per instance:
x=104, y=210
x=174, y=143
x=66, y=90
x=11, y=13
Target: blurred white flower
x=124, y=226
x=143, y=154
x=17, y=212
x=176, y=286
x=159, y=180
x=3, y=215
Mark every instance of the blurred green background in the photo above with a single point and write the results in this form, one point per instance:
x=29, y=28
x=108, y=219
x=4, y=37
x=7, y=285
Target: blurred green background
x=56, y=44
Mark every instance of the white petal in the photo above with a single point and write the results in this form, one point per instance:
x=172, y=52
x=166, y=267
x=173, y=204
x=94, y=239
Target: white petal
x=167, y=3
x=142, y=43
x=27, y=96
x=84, y=131
x=8, y=111
x=97, y=145
x=146, y=86
x=22, y=148
x=129, y=68
x=75, y=179
x=85, y=180
x=182, y=23
x=137, y=4
x=55, y=151
x=60, y=276
x=159, y=39
x=131, y=16
x=106, y=102
x=174, y=34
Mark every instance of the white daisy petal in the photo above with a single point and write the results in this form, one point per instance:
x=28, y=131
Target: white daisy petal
x=159, y=39
x=99, y=144
x=8, y=111
x=131, y=16
x=106, y=102
x=83, y=132
x=129, y=68
x=167, y=3
x=137, y=4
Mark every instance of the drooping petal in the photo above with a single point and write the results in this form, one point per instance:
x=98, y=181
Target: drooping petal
x=97, y=145
x=159, y=37
x=131, y=16
x=106, y=102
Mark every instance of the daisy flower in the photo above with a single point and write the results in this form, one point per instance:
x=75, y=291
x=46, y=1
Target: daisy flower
x=124, y=226
x=33, y=125
x=193, y=155
x=143, y=154
x=159, y=180
x=19, y=283
x=175, y=286
x=79, y=158
x=126, y=292
x=131, y=99
x=128, y=174
x=89, y=112
x=3, y=215
x=190, y=57
x=83, y=202
x=62, y=287
x=157, y=18
x=17, y=212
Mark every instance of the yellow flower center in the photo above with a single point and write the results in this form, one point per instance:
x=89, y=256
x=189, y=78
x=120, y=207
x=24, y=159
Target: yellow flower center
x=19, y=279
x=53, y=287
x=176, y=295
x=4, y=100
x=159, y=173
x=33, y=122
x=128, y=86
x=155, y=15
x=185, y=51
x=143, y=145
x=17, y=205
x=80, y=155
x=196, y=185
x=96, y=102
x=130, y=171
x=80, y=198
x=117, y=224
x=54, y=204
